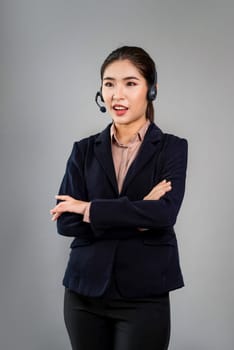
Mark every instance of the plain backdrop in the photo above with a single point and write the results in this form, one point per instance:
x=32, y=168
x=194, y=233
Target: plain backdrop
x=50, y=55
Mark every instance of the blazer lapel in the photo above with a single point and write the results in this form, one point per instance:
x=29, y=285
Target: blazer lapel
x=150, y=146
x=102, y=151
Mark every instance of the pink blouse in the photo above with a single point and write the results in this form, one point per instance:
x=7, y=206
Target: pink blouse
x=123, y=156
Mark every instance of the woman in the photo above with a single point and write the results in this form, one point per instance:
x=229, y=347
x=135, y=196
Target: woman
x=119, y=198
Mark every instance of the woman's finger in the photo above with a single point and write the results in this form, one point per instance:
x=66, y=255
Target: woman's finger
x=55, y=216
x=62, y=197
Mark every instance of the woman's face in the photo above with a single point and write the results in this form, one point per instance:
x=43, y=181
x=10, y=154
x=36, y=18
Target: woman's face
x=124, y=91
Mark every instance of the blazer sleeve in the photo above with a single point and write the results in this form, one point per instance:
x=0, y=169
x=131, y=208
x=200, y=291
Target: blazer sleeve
x=151, y=214
x=73, y=184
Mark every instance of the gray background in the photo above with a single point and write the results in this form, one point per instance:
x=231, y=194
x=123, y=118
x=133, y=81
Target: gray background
x=50, y=54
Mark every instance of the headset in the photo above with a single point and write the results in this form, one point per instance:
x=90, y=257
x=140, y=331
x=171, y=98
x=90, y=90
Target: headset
x=99, y=95
x=152, y=90
x=151, y=93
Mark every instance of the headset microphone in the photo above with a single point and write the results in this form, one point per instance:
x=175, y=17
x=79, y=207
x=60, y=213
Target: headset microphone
x=99, y=95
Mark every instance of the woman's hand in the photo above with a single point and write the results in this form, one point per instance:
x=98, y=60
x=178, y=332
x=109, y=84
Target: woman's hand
x=71, y=205
x=156, y=193
x=159, y=190
x=68, y=204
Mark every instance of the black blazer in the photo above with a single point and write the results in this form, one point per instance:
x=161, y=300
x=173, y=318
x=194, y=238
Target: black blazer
x=146, y=263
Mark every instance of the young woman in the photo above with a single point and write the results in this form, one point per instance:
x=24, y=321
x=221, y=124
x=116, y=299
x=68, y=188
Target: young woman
x=119, y=199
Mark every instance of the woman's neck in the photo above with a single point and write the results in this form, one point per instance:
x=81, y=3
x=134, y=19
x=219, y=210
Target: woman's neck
x=125, y=132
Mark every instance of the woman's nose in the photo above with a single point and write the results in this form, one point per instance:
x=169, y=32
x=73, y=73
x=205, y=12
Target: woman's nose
x=118, y=93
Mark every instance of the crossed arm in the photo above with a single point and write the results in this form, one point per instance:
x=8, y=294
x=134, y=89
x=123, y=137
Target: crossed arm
x=71, y=205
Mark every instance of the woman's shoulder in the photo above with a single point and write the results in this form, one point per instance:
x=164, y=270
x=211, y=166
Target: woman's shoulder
x=86, y=140
x=174, y=144
x=169, y=137
x=172, y=138
x=93, y=138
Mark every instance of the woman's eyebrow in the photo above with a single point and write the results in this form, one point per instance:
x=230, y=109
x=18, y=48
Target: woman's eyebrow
x=126, y=78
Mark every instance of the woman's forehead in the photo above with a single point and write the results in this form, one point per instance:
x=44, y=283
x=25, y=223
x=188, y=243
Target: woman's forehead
x=121, y=69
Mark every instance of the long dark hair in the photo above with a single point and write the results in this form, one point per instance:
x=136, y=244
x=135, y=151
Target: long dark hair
x=142, y=61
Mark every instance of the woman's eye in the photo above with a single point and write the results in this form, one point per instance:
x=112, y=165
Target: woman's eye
x=108, y=84
x=131, y=83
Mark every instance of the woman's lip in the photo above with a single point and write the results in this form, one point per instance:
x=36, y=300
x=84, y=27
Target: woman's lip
x=120, y=112
x=121, y=106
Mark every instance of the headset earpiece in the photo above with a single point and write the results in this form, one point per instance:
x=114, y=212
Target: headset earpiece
x=152, y=93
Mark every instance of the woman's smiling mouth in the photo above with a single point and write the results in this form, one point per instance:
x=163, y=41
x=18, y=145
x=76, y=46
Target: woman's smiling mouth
x=120, y=110
x=119, y=107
